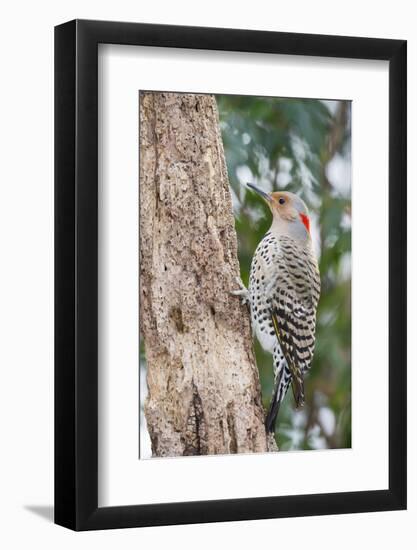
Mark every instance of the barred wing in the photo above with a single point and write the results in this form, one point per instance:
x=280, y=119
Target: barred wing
x=295, y=328
x=293, y=304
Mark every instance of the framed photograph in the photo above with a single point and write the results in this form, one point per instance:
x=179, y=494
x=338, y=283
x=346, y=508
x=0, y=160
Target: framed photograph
x=230, y=255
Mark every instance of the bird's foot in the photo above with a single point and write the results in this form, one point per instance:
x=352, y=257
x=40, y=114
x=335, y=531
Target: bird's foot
x=242, y=292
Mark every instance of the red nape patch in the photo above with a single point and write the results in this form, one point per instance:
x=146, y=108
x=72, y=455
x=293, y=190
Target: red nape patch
x=306, y=221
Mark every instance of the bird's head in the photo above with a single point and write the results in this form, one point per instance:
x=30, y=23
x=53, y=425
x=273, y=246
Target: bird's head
x=289, y=213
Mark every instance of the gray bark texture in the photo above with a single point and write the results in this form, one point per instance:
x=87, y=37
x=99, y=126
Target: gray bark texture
x=204, y=392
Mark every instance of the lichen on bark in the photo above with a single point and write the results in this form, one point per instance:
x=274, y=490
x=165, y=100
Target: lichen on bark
x=204, y=392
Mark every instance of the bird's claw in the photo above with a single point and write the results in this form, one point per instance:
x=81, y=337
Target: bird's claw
x=242, y=292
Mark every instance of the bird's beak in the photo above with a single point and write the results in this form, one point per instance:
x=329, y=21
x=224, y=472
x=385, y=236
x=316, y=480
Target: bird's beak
x=264, y=195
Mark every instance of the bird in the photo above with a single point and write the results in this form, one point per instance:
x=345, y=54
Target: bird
x=283, y=294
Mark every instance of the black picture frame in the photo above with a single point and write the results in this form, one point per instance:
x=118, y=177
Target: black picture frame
x=76, y=272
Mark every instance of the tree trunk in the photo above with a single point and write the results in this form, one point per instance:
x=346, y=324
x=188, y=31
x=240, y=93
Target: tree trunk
x=204, y=392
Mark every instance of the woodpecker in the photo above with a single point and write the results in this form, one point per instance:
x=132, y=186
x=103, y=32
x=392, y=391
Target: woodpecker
x=283, y=293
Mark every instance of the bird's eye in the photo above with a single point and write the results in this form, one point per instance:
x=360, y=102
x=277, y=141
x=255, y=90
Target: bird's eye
x=281, y=200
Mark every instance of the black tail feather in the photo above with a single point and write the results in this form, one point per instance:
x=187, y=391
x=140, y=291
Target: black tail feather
x=272, y=414
x=271, y=418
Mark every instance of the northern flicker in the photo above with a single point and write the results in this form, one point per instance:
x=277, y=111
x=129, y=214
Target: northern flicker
x=283, y=293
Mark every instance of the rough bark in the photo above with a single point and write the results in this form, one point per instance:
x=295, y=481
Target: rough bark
x=204, y=392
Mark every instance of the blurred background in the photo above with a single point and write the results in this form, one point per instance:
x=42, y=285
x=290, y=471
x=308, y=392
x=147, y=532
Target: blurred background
x=303, y=146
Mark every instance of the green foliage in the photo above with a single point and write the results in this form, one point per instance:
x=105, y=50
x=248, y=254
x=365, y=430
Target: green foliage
x=300, y=145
